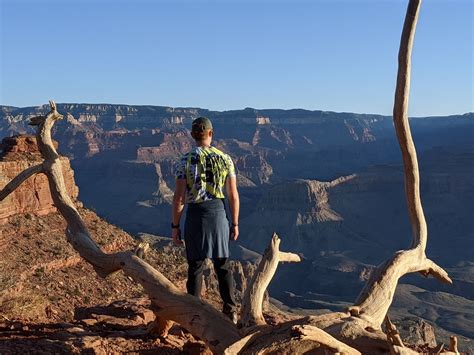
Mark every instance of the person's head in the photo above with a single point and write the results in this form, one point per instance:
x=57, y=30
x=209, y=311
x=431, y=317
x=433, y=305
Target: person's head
x=202, y=131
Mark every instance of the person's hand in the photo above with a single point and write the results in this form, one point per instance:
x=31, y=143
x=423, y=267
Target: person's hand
x=234, y=232
x=176, y=233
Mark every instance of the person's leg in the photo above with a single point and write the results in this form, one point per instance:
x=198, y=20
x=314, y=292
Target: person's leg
x=226, y=284
x=194, y=283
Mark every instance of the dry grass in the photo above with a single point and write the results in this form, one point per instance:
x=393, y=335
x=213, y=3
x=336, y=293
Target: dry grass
x=25, y=305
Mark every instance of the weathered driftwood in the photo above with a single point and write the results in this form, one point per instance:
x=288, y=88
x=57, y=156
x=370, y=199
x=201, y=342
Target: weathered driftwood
x=308, y=332
x=357, y=330
x=376, y=297
x=453, y=345
x=293, y=337
x=251, y=311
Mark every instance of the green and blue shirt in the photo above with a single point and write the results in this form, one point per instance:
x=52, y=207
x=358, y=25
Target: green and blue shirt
x=205, y=170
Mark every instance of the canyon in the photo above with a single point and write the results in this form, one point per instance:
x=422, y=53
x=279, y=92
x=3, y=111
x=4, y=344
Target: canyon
x=51, y=300
x=331, y=185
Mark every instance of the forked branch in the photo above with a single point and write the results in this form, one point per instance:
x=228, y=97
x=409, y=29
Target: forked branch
x=251, y=313
x=375, y=299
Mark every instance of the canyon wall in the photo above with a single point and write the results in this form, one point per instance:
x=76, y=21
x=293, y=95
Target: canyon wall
x=33, y=196
x=331, y=184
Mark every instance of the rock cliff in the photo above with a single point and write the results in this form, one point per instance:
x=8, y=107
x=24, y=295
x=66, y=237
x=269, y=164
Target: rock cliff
x=33, y=196
x=255, y=167
x=168, y=145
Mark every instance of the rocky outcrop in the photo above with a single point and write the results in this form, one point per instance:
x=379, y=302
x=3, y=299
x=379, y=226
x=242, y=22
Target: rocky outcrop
x=301, y=202
x=33, y=196
x=416, y=331
x=20, y=148
x=260, y=120
x=254, y=167
x=167, y=146
x=359, y=133
x=272, y=137
x=163, y=193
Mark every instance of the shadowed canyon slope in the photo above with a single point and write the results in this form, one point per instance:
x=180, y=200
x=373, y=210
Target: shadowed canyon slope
x=331, y=184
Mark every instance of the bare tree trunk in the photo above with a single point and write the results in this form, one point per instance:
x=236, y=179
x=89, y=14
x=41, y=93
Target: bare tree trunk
x=375, y=299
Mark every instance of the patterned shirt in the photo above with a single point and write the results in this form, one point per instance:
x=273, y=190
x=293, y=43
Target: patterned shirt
x=205, y=170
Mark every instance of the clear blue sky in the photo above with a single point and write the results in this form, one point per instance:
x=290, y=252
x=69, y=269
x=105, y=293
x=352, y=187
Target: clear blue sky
x=329, y=55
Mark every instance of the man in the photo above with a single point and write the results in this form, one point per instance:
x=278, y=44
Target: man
x=201, y=177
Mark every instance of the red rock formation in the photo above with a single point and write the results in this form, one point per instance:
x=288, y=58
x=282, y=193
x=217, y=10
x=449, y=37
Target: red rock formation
x=254, y=167
x=22, y=147
x=171, y=147
x=33, y=196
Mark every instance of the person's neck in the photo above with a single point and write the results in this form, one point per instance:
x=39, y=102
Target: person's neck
x=203, y=144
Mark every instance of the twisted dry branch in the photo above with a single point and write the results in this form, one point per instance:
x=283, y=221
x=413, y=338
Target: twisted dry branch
x=377, y=295
x=252, y=302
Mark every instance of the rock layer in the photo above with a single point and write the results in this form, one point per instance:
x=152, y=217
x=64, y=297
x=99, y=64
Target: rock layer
x=33, y=196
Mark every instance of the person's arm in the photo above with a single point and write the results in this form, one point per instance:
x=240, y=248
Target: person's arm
x=234, y=202
x=179, y=199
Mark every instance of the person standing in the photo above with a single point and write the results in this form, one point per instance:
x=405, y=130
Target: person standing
x=202, y=175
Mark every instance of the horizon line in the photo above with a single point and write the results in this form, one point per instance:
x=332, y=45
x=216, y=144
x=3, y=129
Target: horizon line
x=235, y=109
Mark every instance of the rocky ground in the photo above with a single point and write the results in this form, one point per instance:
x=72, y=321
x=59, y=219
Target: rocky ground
x=52, y=302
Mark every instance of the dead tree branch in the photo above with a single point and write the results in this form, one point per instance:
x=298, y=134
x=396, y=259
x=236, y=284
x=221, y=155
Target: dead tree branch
x=375, y=299
x=453, y=344
x=251, y=311
x=308, y=332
